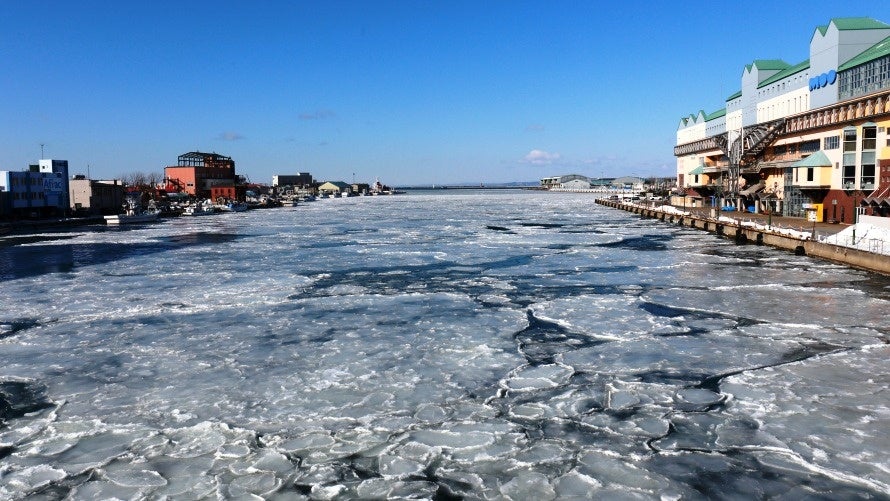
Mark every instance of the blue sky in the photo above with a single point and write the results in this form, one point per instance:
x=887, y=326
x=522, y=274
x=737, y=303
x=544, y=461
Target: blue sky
x=410, y=92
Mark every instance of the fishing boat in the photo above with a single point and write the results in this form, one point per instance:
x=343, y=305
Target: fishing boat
x=144, y=217
x=133, y=215
x=237, y=206
x=200, y=209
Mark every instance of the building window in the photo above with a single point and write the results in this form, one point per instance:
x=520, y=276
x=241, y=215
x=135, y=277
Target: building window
x=850, y=139
x=832, y=143
x=869, y=142
x=869, y=138
x=868, y=176
x=809, y=146
x=849, y=179
x=810, y=174
x=849, y=171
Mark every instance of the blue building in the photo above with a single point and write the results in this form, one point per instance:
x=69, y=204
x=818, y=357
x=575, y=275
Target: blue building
x=39, y=191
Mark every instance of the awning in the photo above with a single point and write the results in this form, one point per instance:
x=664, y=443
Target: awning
x=818, y=159
x=698, y=170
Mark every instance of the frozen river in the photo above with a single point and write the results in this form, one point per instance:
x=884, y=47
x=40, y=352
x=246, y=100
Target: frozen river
x=484, y=345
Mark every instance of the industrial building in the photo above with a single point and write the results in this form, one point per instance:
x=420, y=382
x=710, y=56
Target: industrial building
x=802, y=139
x=96, y=197
x=567, y=182
x=39, y=191
x=301, y=179
x=202, y=175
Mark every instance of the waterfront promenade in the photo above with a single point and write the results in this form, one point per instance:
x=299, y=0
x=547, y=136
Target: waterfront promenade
x=791, y=234
x=778, y=221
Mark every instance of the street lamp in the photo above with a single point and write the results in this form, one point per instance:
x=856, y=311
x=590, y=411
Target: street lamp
x=769, y=220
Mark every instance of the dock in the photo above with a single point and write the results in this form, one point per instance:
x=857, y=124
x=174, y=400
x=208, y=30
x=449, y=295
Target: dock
x=708, y=220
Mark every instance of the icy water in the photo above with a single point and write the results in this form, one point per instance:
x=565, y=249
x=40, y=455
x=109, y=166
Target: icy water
x=483, y=345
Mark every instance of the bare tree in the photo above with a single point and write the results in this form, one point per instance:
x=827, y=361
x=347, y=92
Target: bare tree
x=154, y=179
x=139, y=179
x=125, y=177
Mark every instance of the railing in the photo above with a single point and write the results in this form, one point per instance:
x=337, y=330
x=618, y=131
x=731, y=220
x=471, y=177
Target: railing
x=873, y=245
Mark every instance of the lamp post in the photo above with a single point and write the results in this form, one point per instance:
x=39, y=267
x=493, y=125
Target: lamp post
x=769, y=220
x=855, y=220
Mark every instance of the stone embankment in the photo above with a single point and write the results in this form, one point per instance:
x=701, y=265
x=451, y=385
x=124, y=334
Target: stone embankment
x=799, y=242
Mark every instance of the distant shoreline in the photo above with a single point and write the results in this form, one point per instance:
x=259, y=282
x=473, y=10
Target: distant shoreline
x=469, y=187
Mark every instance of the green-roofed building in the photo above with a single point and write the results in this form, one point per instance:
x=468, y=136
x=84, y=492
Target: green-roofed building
x=812, y=130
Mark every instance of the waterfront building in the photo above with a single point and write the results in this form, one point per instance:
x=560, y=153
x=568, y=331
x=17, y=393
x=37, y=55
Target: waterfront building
x=203, y=175
x=96, y=197
x=550, y=182
x=574, y=182
x=632, y=183
x=301, y=179
x=39, y=191
x=809, y=138
x=567, y=182
x=332, y=187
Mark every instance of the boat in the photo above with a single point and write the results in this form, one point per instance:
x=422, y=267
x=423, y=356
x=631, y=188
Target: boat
x=201, y=209
x=143, y=217
x=133, y=215
x=231, y=207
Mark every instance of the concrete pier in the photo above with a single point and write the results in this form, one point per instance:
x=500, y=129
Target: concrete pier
x=745, y=235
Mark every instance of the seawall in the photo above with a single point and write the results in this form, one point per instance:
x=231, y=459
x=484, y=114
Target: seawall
x=745, y=235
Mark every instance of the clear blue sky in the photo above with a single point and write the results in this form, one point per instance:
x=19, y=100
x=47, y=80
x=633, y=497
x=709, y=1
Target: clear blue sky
x=408, y=91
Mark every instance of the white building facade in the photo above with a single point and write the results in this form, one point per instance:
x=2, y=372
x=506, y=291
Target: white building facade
x=836, y=103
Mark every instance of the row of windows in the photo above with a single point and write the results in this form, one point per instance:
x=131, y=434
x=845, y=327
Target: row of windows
x=788, y=107
x=866, y=179
x=864, y=79
x=869, y=139
x=869, y=143
x=31, y=195
x=867, y=159
x=22, y=181
x=779, y=87
x=810, y=146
